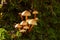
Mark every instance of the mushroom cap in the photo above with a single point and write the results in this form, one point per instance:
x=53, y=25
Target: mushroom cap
x=25, y=27
x=26, y=13
x=23, y=23
x=36, y=18
x=18, y=26
x=22, y=30
x=31, y=21
x=35, y=12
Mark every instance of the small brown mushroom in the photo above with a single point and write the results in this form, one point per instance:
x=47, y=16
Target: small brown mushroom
x=26, y=14
x=35, y=12
x=23, y=23
x=26, y=27
x=18, y=26
x=20, y=16
x=31, y=22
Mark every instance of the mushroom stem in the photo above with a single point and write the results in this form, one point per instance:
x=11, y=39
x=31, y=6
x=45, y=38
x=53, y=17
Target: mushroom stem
x=26, y=18
x=34, y=15
x=21, y=18
x=30, y=28
x=29, y=25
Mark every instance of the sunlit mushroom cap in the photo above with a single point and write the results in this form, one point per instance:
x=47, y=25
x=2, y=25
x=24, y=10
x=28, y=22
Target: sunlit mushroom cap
x=35, y=12
x=31, y=21
x=22, y=30
x=18, y=26
x=26, y=13
x=25, y=27
x=23, y=23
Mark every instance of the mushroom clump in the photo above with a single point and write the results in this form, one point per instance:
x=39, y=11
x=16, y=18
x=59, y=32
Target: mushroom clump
x=27, y=24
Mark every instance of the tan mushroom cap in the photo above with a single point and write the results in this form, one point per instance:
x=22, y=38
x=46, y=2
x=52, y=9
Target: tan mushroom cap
x=35, y=12
x=23, y=23
x=26, y=27
x=26, y=13
x=31, y=21
x=36, y=19
x=18, y=26
x=22, y=30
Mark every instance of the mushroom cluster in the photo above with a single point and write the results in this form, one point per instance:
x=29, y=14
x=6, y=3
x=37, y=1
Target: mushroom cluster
x=27, y=24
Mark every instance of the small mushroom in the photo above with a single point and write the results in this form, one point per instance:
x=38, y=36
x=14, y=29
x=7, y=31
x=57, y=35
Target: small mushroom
x=18, y=26
x=26, y=27
x=21, y=16
x=31, y=22
x=26, y=14
x=35, y=12
x=22, y=30
x=23, y=23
